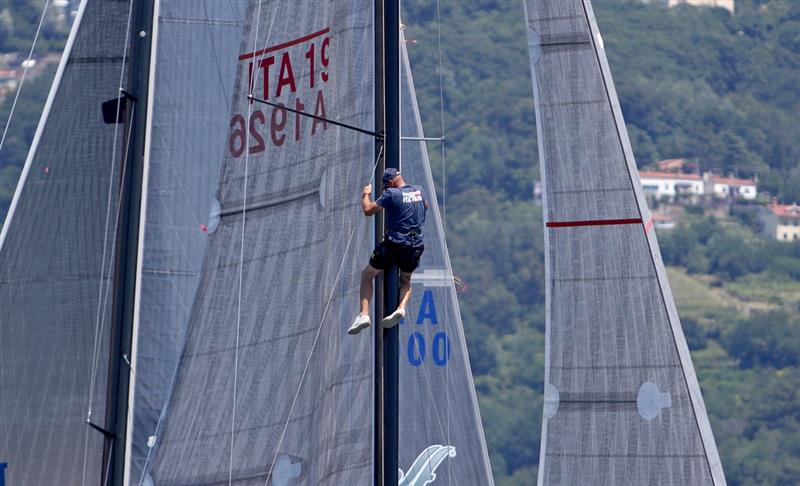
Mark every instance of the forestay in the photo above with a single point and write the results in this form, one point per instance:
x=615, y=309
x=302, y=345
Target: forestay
x=270, y=389
x=441, y=435
x=622, y=402
x=56, y=265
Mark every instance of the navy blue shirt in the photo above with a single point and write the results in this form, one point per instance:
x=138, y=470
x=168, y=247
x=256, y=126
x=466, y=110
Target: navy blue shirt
x=405, y=214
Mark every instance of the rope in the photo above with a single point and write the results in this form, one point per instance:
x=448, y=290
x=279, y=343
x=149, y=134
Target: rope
x=444, y=219
x=244, y=226
x=319, y=331
x=6, y=422
x=25, y=67
x=101, y=302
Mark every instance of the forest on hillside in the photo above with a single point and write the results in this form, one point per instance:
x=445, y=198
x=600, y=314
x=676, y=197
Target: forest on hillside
x=694, y=83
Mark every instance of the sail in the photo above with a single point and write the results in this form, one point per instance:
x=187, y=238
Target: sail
x=195, y=51
x=56, y=265
x=441, y=435
x=270, y=389
x=622, y=402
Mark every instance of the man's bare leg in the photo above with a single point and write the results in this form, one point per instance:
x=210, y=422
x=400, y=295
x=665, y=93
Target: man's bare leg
x=405, y=289
x=365, y=293
x=367, y=276
x=405, y=293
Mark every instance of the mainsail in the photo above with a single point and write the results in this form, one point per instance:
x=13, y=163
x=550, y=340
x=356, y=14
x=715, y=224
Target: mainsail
x=270, y=389
x=441, y=435
x=55, y=265
x=622, y=402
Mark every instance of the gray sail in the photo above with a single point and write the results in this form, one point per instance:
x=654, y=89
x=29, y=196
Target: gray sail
x=441, y=436
x=270, y=389
x=195, y=51
x=56, y=265
x=622, y=402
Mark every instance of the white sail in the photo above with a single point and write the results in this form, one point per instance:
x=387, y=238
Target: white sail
x=438, y=405
x=270, y=389
x=622, y=402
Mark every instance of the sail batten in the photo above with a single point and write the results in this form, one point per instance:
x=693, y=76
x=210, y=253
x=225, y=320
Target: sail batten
x=622, y=403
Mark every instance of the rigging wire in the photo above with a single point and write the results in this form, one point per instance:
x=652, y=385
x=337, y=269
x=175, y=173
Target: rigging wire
x=251, y=86
x=319, y=332
x=25, y=67
x=101, y=300
x=444, y=216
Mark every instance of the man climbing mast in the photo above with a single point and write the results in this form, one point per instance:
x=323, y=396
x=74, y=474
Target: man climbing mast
x=401, y=245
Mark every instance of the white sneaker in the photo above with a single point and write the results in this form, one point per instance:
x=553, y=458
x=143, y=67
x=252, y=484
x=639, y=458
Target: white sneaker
x=392, y=319
x=361, y=322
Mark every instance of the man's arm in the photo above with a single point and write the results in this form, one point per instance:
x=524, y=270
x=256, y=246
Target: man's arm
x=367, y=204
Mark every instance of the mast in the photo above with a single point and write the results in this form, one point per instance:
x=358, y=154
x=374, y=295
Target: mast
x=126, y=245
x=387, y=121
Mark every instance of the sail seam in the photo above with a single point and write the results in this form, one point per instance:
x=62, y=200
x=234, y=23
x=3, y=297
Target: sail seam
x=565, y=43
x=96, y=60
x=177, y=20
x=601, y=279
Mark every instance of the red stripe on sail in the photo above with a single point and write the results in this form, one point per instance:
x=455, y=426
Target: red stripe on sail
x=284, y=45
x=593, y=222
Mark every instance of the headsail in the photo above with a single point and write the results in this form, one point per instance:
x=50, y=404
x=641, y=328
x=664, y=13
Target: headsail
x=441, y=436
x=195, y=50
x=56, y=265
x=270, y=389
x=622, y=402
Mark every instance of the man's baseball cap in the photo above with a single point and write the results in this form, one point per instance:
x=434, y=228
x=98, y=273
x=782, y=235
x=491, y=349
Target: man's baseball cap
x=389, y=175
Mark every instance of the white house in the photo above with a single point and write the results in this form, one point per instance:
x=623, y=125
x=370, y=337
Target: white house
x=724, y=187
x=726, y=4
x=668, y=184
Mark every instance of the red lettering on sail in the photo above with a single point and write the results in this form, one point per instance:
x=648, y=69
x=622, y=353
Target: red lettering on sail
x=287, y=75
x=319, y=110
x=255, y=131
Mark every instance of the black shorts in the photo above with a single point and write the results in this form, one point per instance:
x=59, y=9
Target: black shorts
x=388, y=252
